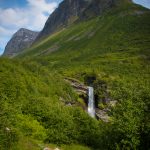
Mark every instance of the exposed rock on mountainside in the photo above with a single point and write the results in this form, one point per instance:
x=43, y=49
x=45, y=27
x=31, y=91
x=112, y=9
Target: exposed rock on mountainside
x=70, y=11
x=21, y=40
x=79, y=87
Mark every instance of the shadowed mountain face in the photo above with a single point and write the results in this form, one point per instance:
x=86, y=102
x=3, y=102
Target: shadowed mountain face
x=21, y=40
x=70, y=11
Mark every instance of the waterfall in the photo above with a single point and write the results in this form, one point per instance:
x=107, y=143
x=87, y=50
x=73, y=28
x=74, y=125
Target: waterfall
x=91, y=105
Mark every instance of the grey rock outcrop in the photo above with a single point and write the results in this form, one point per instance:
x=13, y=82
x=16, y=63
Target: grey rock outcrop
x=70, y=11
x=78, y=86
x=21, y=40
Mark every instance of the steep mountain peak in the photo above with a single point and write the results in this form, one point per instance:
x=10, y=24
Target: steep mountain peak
x=21, y=40
x=23, y=29
x=70, y=11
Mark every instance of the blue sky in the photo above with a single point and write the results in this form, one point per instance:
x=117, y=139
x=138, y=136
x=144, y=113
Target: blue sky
x=31, y=14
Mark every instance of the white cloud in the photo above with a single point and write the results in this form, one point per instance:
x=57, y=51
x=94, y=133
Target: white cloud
x=41, y=5
x=12, y=18
x=32, y=17
x=27, y=17
x=4, y=32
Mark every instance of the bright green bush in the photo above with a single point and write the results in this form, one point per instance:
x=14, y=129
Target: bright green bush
x=31, y=127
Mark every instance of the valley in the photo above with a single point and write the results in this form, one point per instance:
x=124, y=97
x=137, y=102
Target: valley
x=43, y=99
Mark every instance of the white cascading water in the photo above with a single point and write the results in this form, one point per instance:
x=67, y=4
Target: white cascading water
x=91, y=104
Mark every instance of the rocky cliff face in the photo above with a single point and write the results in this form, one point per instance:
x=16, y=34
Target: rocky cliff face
x=21, y=40
x=70, y=11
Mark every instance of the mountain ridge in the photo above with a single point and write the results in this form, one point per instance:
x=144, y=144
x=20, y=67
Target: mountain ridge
x=75, y=36
x=20, y=41
x=70, y=11
x=67, y=13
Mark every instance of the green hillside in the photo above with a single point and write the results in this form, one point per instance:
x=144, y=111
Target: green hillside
x=111, y=50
